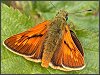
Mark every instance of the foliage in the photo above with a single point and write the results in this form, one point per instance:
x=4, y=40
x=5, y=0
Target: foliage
x=86, y=27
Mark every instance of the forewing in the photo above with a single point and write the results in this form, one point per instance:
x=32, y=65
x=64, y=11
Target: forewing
x=69, y=56
x=27, y=43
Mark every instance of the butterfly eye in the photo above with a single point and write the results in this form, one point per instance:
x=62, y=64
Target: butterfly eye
x=66, y=18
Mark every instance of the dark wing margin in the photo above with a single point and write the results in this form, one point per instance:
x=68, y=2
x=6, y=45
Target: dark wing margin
x=77, y=42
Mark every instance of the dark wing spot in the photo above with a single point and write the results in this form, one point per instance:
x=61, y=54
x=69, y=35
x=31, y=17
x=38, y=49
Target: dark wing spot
x=67, y=44
x=37, y=35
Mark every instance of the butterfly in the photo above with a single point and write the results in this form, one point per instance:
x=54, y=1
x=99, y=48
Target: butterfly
x=51, y=42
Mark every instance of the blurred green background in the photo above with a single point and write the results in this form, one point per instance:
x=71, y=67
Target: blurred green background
x=18, y=16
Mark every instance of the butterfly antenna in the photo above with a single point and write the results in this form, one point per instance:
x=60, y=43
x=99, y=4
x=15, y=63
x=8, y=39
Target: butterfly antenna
x=81, y=11
x=53, y=5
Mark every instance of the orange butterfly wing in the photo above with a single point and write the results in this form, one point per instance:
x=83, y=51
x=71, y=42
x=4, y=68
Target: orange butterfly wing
x=28, y=43
x=70, y=54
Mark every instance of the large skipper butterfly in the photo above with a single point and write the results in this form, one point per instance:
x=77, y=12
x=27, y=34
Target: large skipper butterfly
x=51, y=42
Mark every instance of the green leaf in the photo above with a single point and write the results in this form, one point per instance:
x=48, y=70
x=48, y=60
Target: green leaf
x=86, y=28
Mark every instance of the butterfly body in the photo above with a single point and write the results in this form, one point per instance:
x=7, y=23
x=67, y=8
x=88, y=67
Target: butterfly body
x=52, y=43
x=53, y=38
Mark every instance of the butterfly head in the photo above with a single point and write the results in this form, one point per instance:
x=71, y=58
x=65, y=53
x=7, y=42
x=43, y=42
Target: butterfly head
x=62, y=14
